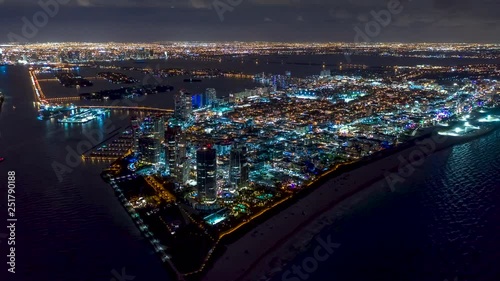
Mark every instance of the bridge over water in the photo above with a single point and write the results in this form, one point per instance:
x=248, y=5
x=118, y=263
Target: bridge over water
x=130, y=108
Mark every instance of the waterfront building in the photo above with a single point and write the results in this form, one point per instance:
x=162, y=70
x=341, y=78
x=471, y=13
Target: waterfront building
x=206, y=173
x=223, y=148
x=326, y=73
x=154, y=125
x=210, y=97
x=176, y=154
x=236, y=97
x=149, y=150
x=198, y=101
x=183, y=105
x=136, y=133
x=279, y=82
x=171, y=151
x=238, y=167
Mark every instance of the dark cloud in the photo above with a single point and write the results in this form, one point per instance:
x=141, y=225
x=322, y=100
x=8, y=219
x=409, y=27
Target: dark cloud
x=287, y=20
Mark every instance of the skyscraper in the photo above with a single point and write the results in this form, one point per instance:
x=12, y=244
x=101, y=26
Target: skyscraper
x=183, y=106
x=198, y=101
x=206, y=173
x=210, y=97
x=149, y=149
x=238, y=167
x=171, y=151
x=151, y=138
x=136, y=133
x=154, y=125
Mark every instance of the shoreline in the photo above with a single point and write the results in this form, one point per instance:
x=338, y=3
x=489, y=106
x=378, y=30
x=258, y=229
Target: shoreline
x=363, y=174
x=233, y=257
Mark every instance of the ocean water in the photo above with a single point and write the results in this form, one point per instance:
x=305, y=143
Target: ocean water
x=74, y=229
x=444, y=222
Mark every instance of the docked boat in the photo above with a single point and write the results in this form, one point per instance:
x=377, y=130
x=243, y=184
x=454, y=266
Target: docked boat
x=2, y=98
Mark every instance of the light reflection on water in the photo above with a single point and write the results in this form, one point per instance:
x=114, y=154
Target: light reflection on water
x=442, y=224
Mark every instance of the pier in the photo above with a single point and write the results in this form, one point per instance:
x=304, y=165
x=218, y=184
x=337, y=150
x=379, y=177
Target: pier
x=62, y=99
x=57, y=80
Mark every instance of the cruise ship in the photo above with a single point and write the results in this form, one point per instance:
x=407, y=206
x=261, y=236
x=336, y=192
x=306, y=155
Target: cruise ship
x=191, y=80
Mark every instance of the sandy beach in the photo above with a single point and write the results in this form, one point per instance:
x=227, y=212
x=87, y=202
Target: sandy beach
x=262, y=251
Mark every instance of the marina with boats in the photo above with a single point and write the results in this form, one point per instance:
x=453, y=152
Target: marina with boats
x=49, y=111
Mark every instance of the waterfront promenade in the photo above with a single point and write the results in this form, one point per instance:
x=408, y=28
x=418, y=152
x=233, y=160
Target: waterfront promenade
x=131, y=108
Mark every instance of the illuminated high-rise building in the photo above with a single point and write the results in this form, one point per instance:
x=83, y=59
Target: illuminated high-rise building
x=223, y=148
x=325, y=73
x=183, y=105
x=154, y=125
x=238, y=167
x=150, y=140
x=206, y=173
x=136, y=133
x=198, y=101
x=149, y=149
x=171, y=151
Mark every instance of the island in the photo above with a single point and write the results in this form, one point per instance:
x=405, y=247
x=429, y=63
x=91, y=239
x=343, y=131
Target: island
x=201, y=184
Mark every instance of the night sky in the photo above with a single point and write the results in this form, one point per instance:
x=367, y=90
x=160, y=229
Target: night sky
x=248, y=20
